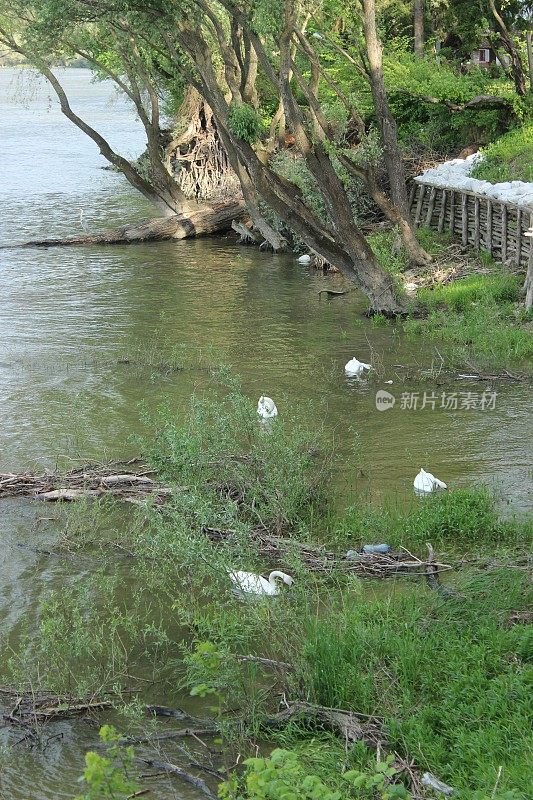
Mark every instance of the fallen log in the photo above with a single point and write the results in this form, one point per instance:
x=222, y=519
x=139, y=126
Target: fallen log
x=206, y=219
x=198, y=783
x=349, y=725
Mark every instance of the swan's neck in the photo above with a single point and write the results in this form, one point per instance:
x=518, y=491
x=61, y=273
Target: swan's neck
x=273, y=575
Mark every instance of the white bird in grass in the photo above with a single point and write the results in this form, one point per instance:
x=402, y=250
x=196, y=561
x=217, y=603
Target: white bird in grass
x=266, y=408
x=305, y=259
x=355, y=367
x=250, y=583
x=425, y=482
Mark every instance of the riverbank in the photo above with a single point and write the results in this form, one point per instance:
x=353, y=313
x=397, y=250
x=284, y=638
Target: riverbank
x=440, y=673
x=470, y=306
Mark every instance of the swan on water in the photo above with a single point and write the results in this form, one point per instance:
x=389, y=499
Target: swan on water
x=355, y=367
x=426, y=482
x=305, y=259
x=266, y=408
x=250, y=583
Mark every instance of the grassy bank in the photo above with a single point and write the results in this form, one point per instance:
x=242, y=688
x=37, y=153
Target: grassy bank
x=509, y=158
x=471, y=307
x=444, y=676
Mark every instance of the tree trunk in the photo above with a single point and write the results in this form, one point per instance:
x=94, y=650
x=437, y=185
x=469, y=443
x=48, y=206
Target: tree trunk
x=204, y=220
x=391, y=151
x=517, y=70
x=529, y=47
x=419, y=27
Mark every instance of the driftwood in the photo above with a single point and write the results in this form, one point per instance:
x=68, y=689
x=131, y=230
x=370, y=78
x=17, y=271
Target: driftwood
x=198, y=783
x=201, y=221
x=32, y=708
x=111, y=479
x=246, y=235
x=349, y=725
x=433, y=576
x=317, y=559
x=332, y=292
x=88, y=482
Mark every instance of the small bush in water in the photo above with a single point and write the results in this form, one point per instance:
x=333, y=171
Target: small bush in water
x=109, y=778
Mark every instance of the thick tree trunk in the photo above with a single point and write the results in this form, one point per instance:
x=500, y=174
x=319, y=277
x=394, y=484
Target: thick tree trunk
x=419, y=27
x=529, y=47
x=399, y=208
x=202, y=221
x=517, y=70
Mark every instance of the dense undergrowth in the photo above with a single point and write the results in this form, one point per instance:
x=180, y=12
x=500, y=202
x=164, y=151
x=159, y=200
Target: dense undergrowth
x=446, y=677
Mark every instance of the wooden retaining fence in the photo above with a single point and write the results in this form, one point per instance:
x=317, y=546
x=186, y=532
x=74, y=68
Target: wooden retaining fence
x=485, y=223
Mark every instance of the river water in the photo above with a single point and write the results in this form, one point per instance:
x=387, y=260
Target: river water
x=87, y=334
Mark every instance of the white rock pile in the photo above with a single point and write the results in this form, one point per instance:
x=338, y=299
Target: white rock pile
x=455, y=174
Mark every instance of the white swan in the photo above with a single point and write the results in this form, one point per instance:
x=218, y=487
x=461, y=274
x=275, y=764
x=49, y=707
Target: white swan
x=355, y=367
x=266, y=408
x=426, y=482
x=305, y=259
x=250, y=583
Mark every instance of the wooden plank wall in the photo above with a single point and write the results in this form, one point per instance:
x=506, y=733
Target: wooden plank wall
x=478, y=221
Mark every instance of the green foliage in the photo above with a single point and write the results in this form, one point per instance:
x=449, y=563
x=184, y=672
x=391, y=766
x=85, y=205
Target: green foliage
x=283, y=776
x=509, y=158
x=456, y=519
x=464, y=293
x=486, y=334
x=245, y=123
x=271, y=475
x=408, y=78
x=109, y=777
x=80, y=642
x=448, y=675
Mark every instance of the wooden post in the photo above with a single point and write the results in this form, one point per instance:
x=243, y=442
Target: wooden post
x=412, y=196
x=504, y=232
x=528, y=285
x=442, y=212
x=419, y=204
x=452, y=212
x=518, y=236
x=476, y=223
x=431, y=206
x=488, y=232
x=464, y=219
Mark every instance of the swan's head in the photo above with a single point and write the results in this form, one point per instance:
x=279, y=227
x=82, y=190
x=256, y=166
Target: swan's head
x=282, y=576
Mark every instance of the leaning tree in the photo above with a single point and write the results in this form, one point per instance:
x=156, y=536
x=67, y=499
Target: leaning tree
x=225, y=49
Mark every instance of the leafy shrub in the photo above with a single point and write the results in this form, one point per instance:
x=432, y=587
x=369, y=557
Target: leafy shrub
x=109, y=777
x=283, y=776
x=245, y=123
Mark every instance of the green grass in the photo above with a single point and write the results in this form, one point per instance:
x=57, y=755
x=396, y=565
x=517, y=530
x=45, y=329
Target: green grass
x=460, y=520
x=464, y=293
x=481, y=320
x=509, y=158
x=448, y=677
